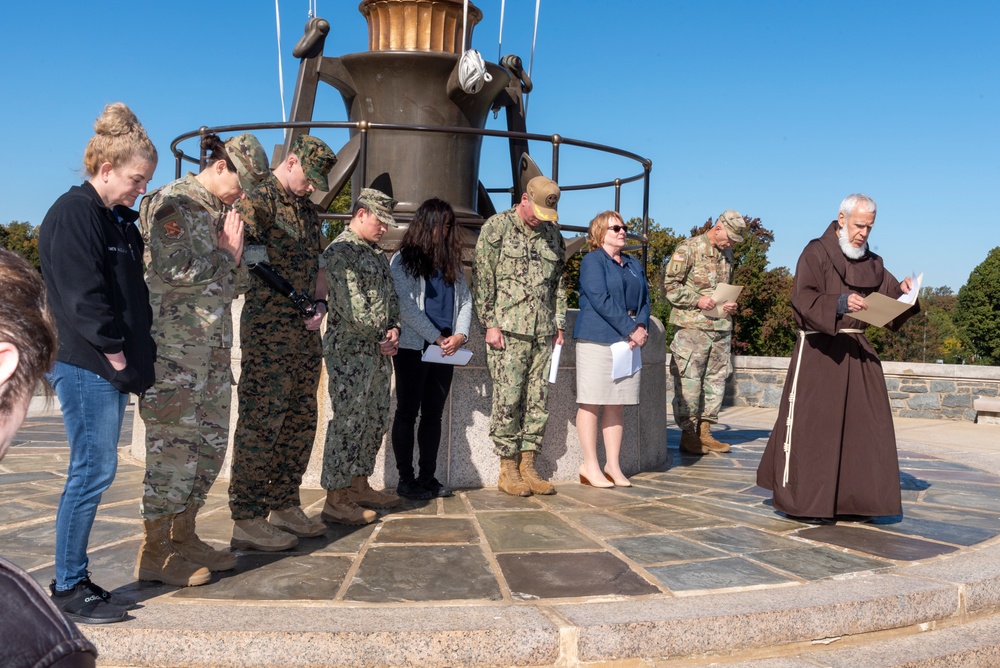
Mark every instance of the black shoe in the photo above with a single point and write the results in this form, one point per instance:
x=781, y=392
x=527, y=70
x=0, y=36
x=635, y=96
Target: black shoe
x=436, y=488
x=117, y=600
x=410, y=489
x=85, y=605
x=818, y=521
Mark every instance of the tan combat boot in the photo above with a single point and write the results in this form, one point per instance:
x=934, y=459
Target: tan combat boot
x=510, y=478
x=259, y=534
x=340, y=509
x=529, y=474
x=158, y=561
x=361, y=493
x=295, y=521
x=691, y=444
x=710, y=441
x=192, y=548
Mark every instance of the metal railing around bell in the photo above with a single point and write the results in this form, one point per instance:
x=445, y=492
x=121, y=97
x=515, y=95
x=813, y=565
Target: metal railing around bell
x=364, y=127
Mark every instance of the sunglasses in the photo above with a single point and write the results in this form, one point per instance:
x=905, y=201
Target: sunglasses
x=618, y=228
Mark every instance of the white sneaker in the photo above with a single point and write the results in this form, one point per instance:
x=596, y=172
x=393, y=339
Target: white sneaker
x=293, y=520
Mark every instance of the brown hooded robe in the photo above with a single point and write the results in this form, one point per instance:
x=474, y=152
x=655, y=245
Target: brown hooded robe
x=843, y=448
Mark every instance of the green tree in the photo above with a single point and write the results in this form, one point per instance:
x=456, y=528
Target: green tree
x=340, y=204
x=662, y=242
x=929, y=336
x=977, y=311
x=22, y=238
x=763, y=325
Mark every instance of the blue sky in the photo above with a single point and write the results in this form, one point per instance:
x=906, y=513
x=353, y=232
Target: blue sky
x=778, y=109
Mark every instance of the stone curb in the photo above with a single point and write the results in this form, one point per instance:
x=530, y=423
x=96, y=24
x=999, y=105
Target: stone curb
x=947, y=590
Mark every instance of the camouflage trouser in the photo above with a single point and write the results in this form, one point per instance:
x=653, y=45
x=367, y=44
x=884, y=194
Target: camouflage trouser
x=520, y=375
x=186, y=414
x=359, y=390
x=700, y=364
x=276, y=428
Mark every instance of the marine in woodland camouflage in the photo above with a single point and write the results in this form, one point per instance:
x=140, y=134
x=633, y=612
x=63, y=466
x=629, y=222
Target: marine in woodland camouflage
x=281, y=359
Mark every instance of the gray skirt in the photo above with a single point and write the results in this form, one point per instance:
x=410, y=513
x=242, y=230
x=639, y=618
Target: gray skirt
x=593, y=377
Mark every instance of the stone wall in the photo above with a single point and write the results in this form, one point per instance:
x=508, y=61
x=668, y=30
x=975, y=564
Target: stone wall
x=944, y=391
x=466, y=457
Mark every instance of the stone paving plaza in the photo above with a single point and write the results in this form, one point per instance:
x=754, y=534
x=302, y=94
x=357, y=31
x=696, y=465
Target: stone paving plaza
x=691, y=566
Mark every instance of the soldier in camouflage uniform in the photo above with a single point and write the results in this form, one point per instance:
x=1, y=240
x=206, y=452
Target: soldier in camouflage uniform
x=362, y=334
x=194, y=246
x=517, y=288
x=701, y=359
x=281, y=361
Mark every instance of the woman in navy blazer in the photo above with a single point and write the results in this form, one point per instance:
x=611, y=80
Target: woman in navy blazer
x=614, y=306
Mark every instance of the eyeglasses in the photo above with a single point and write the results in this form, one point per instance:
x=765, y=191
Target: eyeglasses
x=618, y=228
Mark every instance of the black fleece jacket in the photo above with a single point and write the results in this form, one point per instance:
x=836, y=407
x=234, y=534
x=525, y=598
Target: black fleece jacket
x=92, y=265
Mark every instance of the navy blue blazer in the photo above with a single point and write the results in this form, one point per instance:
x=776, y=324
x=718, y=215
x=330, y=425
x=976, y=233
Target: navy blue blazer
x=603, y=317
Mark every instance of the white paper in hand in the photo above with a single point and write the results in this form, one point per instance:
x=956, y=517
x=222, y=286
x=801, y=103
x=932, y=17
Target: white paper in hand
x=554, y=367
x=625, y=361
x=435, y=355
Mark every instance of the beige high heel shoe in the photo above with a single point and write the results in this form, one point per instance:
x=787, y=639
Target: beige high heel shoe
x=616, y=483
x=585, y=481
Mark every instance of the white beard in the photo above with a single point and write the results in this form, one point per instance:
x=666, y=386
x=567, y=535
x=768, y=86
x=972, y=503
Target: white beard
x=847, y=249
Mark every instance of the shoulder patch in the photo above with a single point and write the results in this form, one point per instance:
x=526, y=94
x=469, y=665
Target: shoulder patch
x=173, y=229
x=679, y=257
x=165, y=212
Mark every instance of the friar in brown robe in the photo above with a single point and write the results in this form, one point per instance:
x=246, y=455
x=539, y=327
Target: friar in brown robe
x=842, y=451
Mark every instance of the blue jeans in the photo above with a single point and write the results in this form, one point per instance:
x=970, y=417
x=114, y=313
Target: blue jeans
x=92, y=411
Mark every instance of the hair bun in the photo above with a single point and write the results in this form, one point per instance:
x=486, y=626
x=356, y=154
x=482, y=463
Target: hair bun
x=116, y=120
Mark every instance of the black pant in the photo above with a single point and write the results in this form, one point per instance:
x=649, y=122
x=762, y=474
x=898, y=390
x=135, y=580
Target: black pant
x=421, y=388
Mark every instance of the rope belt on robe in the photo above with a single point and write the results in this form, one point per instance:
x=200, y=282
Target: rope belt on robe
x=790, y=420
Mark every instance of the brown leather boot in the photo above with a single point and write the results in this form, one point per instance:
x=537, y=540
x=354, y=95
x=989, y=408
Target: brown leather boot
x=158, y=561
x=510, y=478
x=341, y=509
x=192, y=548
x=361, y=493
x=536, y=483
x=691, y=444
x=708, y=440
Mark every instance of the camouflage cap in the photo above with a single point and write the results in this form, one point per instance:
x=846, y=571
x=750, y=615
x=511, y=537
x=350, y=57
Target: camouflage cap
x=544, y=195
x=317, y=160
x=733, y=223
x=250, y=160
x=379, y=204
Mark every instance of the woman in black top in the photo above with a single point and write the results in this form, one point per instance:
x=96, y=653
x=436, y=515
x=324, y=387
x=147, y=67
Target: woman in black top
x=91, y=254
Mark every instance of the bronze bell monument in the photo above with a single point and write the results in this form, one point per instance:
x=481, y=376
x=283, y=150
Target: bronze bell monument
x=409, y=77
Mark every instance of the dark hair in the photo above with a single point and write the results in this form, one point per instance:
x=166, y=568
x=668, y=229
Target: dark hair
x=26, y=322
x=216, y=149
x=422, y=252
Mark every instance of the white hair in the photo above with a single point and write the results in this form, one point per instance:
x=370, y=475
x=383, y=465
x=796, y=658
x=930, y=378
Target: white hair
x=852, y=202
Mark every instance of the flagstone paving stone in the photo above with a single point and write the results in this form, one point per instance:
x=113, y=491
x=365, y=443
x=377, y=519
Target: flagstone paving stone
x=700, y=526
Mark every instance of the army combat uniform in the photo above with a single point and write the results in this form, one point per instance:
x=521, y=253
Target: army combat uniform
x=517, y=285
x=363, y=307
x=281, y=361
x=701, y=350
x=192, y=283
